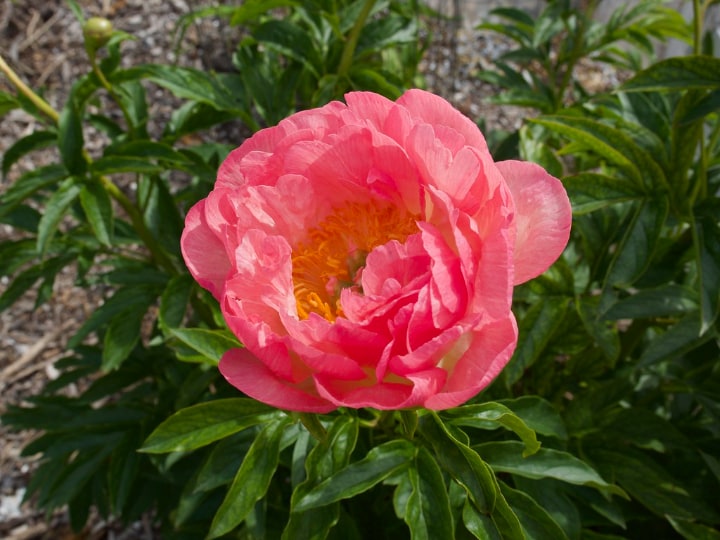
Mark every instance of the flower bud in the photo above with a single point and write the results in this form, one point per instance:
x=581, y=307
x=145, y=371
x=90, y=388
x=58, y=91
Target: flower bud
x=97, y=32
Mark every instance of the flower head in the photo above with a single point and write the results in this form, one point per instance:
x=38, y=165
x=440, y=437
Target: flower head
x=365, y=254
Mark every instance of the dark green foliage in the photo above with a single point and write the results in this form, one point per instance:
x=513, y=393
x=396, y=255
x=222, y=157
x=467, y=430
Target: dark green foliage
x=606, y=422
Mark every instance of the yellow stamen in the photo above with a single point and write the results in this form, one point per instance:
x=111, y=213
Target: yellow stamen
x=331, y=257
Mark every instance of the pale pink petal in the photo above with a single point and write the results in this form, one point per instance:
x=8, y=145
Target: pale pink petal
x=542, y=217
x=488, y=351
x=203, y=251
x=248, y=374
x=369, y=107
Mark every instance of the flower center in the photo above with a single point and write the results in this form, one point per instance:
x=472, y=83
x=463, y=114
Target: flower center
x=333, y=256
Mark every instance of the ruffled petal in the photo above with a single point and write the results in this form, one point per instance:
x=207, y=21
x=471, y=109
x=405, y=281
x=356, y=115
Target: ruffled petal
x=542, y=217
x=204, y=253
x=248, y=374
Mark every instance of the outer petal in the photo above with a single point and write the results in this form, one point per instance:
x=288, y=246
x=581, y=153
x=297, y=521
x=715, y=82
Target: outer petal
x=542, y=217
x=249, y=375
x=204, y=253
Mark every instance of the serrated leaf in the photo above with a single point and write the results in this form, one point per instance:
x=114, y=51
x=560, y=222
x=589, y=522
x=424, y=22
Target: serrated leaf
x=679, y=73
x=506, y=456
x=495, y=414
x=205, y=423
x=252, y=479
x=55, y=209
x=379, y=463
x=98, y=209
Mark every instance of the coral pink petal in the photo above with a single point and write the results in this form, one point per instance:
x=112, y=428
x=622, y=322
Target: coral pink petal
x=434, y=110
x=248, y=374
x=203, y=251
x=542, y=217
x=355, y=394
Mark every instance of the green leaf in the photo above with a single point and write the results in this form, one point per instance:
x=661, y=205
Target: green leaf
x=46, y=269
x=331, y=454
x=551, y=496
x=250, y=10
x=539, y=415
x=55, y=209
x=603, y=333
x=492, y=415
x=461, y=462
x=613, y=145
x=506, y=456
x=480, y=525
x=536, y=330
x=679, y=73
x=678, y=340
x=121, y=300
x=706, y=235
x=98, y=209
x=252, y=479
x=121, y=164
x=188, y=83
x=7, y=103
x=292, y=41
x=34, y=141
x=427, y=513
x=694, y=531
x=535, y=521
x=664, y=301
x=212, y=344
x=205, y=423
x=147, y=150
x=121, y=336
x=638, y=246
x=30, y=183
x=70, y=139
x=591, y=191
x=174, y=301
x=379, y=463
x=635, y=471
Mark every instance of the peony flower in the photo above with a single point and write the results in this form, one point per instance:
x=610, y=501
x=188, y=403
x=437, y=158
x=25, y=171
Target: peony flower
x=365, y=255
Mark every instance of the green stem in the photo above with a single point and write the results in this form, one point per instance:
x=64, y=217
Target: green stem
x=25, y=90
x=313, y=425
x=698, y=15
x=351, y=43
x=110, y=90
x=138, y=223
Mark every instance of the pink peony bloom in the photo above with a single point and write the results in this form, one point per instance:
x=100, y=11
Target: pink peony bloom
x=365, y=255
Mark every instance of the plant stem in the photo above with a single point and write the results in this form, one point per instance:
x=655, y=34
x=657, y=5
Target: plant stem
x=313, y=425
x=698, y=15
x=25, y=90
x=138, y=223
x=351, y=43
